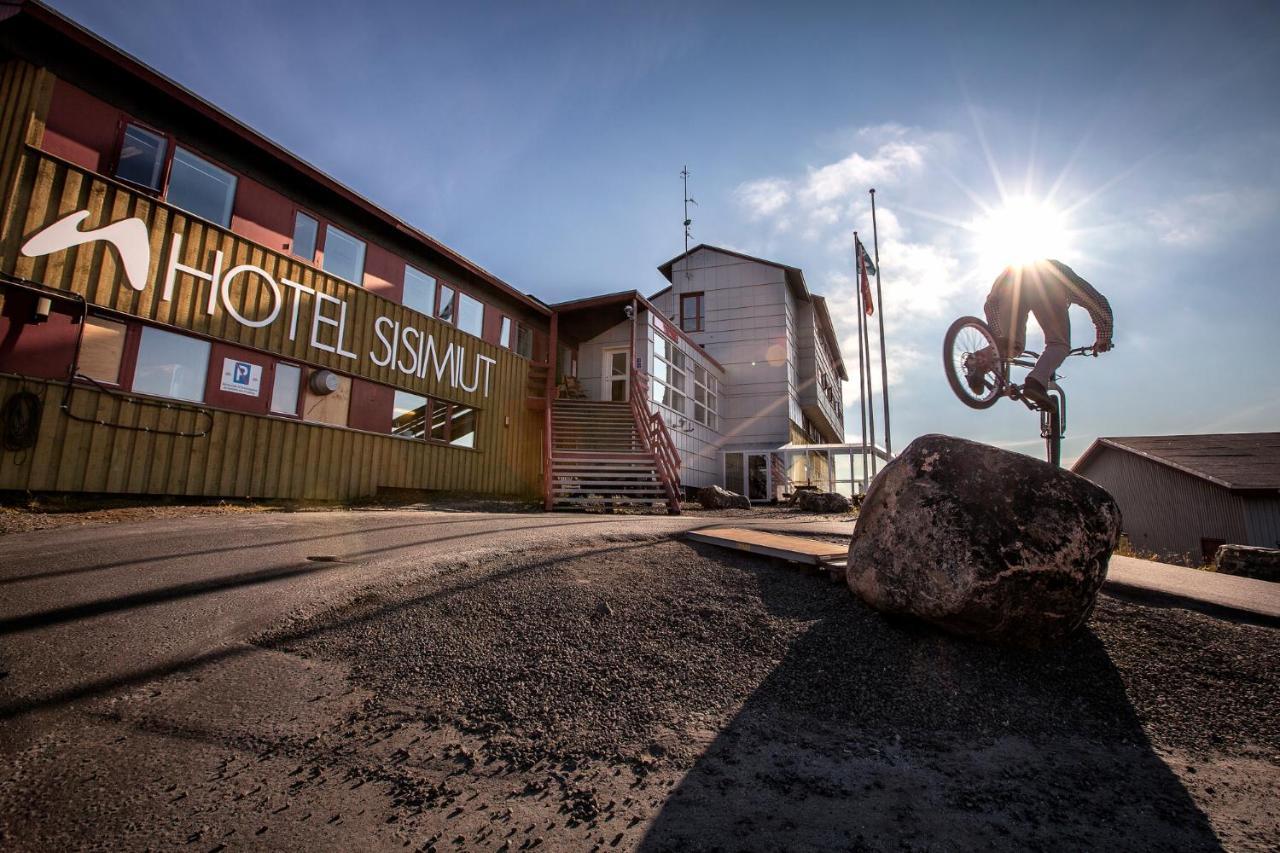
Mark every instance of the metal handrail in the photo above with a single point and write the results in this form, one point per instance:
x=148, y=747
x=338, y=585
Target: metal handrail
x=656, y=438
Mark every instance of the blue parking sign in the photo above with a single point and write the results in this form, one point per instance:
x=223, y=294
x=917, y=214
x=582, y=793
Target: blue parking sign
x=241, y=377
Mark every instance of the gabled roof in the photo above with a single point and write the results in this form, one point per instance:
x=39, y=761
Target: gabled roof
x=794, y=275
x=41, y=15
x=622, y=297
x=795, y=280
x=1240, y=461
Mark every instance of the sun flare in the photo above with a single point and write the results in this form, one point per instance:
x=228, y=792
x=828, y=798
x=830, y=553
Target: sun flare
x=1021, y=230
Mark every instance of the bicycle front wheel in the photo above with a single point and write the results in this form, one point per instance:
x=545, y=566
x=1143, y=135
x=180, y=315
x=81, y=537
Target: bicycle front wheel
x=967, y=337
x=1051, y=427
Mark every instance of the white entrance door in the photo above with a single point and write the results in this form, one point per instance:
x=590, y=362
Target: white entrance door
x=614, y=374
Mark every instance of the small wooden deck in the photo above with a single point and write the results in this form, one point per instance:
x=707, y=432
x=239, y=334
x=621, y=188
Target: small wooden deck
x=793, y=549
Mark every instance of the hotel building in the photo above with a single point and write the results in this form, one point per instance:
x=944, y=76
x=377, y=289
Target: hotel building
x=186, y=308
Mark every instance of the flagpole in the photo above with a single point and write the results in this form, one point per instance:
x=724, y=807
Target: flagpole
x=862, y=376
x=861, y=251
x=871, y=396
x=884, y=364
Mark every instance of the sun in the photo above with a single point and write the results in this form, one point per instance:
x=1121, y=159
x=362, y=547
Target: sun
x=1020, y=231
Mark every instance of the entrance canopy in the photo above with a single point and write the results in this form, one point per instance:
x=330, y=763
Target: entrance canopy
x=770, y=473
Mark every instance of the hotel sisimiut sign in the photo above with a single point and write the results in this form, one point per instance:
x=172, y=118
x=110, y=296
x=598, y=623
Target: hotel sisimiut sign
x=411, y=351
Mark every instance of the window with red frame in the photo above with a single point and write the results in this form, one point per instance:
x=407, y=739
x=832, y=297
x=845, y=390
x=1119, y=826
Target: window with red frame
x=153, y=161
x=691, y=312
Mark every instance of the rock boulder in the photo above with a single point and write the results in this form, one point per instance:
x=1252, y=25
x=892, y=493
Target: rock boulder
x=1249, y=561
x=829, y=502
x=983, y=542
x=714, y=497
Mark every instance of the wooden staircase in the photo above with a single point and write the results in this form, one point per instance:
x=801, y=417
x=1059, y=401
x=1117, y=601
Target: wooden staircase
x=598, y=456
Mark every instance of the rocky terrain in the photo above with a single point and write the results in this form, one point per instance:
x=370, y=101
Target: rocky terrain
x=666, y=696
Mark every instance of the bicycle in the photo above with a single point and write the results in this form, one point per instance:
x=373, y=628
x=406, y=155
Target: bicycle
x=964, y=340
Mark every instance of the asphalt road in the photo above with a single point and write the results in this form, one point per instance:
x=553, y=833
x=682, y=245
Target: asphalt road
x=88, y=611
x=128, y=685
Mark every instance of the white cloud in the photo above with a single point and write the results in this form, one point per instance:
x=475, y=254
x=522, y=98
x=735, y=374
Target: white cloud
x=923, y=275
x=830, y=194
x=1203, y=219
x=764, y=197
x=855, y=173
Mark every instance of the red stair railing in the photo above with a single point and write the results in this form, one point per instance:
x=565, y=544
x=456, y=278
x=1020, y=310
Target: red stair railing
x=656, y=439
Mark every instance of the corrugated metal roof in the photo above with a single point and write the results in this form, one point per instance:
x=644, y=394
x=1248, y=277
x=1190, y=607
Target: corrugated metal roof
x=1238, y=460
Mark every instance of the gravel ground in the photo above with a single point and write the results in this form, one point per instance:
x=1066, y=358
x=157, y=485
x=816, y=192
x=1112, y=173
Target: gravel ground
x=669, y=696
x=25, y=515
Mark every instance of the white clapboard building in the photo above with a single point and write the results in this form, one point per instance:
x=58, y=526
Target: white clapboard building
x=740, y=362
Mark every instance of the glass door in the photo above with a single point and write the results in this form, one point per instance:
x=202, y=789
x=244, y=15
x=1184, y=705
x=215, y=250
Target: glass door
x=758, y=477
x=733, y=473
x=615, y=374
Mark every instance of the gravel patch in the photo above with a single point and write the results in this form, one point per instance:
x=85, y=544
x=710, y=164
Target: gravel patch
x=775, y=711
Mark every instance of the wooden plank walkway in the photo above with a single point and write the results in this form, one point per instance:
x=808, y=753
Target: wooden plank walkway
x=811, y=552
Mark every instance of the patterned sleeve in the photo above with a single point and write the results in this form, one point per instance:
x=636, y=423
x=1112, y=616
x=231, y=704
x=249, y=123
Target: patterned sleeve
x=1086, y=296
x=994, y=308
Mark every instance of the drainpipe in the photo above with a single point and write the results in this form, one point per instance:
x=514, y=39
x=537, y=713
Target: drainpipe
x=553, y=356
x=631, y=360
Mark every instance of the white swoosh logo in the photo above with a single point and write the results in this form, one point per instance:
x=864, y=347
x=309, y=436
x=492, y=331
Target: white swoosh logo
x=129, y=236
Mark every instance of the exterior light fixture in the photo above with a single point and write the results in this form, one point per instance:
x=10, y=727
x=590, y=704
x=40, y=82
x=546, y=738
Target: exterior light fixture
x=323, y=382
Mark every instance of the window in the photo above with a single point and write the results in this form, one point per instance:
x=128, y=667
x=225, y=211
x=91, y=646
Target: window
x=706, y=392
x=284, y=389
x=669, y=373
x=419, y=291
x=305, y=230
x=171, y=365
x=409, y=415
x=470, y=315
x=440, y=421
x=504, y=336
x=428, y=419
x=197, y=186
x=101, y=350
x=691, y=312
x=446, y=307
x=524, y=341
x=462, y=427
x=343, y=255
x=142, y=155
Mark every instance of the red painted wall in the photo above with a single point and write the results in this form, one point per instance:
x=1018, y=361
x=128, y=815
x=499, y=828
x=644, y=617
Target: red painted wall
x=41, y=350
x=370, y=406
x=81, y=128
x=492, y=324
x=262, y=215
x=214, y=396
x=383, y=272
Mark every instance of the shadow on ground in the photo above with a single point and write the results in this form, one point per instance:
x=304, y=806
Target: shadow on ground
x=875, y=734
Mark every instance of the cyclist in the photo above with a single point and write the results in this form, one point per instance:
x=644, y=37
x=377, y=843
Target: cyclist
x=1045, y=288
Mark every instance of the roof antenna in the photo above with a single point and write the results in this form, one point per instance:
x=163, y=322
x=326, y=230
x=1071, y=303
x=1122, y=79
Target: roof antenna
x=688, y=200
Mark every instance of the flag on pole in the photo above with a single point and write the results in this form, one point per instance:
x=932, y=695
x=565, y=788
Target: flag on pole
x=866, y=259
x=863, y=263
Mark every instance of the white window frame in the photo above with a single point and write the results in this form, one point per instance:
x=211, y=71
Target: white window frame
x=710, y=403
x=667, y=377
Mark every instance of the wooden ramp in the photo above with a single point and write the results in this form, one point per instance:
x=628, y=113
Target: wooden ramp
x=794, y=549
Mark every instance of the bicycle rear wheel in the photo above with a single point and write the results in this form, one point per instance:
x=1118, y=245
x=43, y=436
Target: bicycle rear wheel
x=964, y=340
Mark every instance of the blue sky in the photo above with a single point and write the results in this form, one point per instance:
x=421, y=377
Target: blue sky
x=544, y=140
